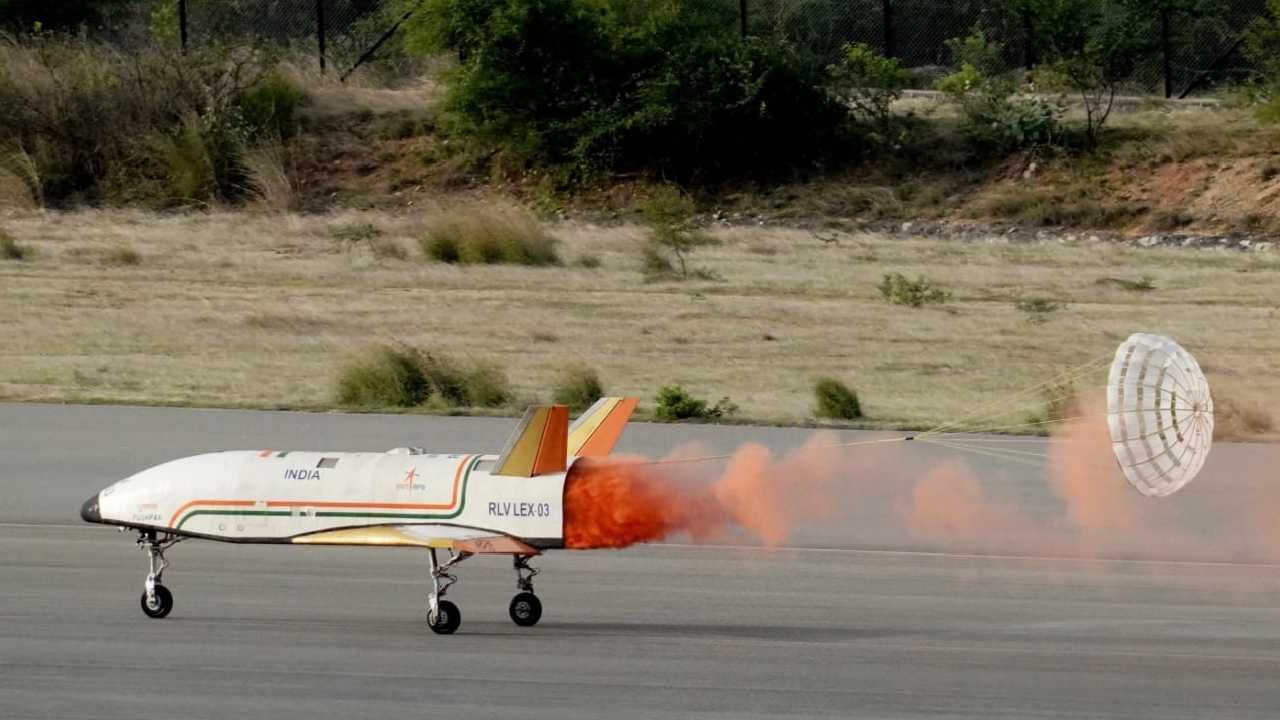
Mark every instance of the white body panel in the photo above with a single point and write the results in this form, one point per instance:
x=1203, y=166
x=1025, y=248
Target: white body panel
x=251, y=496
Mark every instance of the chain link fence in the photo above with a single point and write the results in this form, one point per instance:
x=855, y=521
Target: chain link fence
x=1196, y=45
x=336, y=32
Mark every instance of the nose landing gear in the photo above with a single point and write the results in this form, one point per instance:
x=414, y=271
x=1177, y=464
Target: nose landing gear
x=443, y=617
x=156, y=601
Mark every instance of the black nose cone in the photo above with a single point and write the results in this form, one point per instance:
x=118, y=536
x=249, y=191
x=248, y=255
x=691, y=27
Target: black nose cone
x=89, y=510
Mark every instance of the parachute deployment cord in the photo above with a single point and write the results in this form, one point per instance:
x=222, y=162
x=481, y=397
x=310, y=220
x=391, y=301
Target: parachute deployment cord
x=995, y=410
x=961, y=444
x=707, y=458
x=991, y=452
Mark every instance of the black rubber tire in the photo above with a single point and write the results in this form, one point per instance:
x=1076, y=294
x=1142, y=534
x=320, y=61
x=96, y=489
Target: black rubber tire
x=164, y=603
x=526, y=609
x=448, y=618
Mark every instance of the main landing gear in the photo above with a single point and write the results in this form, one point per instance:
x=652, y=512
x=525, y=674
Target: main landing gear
x=443, y=617
x=157, y=601
x=526, y=608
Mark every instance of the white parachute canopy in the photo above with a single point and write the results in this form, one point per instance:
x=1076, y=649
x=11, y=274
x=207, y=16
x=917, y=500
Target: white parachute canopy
x=1160, y=414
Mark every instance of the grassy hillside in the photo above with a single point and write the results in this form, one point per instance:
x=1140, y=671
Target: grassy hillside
x=262, y=310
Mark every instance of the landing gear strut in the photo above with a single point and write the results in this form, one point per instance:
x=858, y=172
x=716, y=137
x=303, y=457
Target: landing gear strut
x=443, y=617
x=156, y=601
x=526, y=608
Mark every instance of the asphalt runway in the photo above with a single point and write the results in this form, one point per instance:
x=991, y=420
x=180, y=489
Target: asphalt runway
x=866, y=619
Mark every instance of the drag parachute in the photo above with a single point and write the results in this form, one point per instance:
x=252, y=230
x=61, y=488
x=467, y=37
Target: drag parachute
x=1159, y=413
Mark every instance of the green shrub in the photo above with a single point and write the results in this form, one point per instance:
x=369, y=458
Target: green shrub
x=675, y=403
x=578, y=387
x=488, y=234
x=357, y=232
x=10, y=249
x=869, y=83
x=607, y=85
x=669, y=214
x=409, y=377
x=269, y=107
x=187, y=163
x=123, y=256
x=486, y=386
x=1144, y=284
x=901, y=290
x=1038, y=310
x=442, y=247
x=387, y=377
x=1262, y=48
x=97, y=123
x=835, y=400
x=1091, y=48
x=996, y=120
x=654, y=263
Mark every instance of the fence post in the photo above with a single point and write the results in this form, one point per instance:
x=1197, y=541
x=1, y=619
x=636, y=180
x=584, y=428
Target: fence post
x=887, y=6
x=742, y=15
x=1030, y=58
x=182, y=24
x=320, y=32
x=1164, y=50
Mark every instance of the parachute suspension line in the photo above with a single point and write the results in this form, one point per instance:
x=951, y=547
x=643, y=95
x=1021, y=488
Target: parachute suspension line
x=987, y=452
x=995, y=410
x=1003, y=428
x=706, y=458
x=1042, y=454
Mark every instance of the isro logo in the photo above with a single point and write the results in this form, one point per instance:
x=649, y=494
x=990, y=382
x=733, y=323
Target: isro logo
x=408, y=482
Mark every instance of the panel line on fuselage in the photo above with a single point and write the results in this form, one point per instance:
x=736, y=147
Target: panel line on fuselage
x=458, y=499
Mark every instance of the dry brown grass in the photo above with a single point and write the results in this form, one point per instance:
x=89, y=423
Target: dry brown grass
x=1237, y=420
x=249, y=309
x=270, y=177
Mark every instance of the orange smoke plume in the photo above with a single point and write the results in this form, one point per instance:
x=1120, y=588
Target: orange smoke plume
x=922, y=496
x=615, y=502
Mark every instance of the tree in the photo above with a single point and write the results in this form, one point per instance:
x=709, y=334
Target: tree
x=869, y=83
x=670, y=216
x=24, y=15
x=1092, y=47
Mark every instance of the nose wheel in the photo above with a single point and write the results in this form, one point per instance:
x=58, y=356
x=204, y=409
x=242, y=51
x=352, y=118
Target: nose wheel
x=156, y=601
x=443, y=617
x=447, y=618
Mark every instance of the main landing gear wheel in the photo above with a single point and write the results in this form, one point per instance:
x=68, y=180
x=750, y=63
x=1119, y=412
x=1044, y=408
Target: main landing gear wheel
x=447, y=618
x=526, y=609
x=158, y=603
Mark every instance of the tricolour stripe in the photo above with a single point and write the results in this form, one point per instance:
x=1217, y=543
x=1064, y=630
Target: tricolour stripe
x=457, y=502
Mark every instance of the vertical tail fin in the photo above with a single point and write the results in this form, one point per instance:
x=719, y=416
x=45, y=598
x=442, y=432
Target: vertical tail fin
x=538, y=445
x=597, y=430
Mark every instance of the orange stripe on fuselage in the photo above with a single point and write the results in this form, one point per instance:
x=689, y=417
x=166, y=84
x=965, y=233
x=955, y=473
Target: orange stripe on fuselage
x=453, y=500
